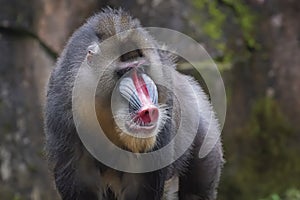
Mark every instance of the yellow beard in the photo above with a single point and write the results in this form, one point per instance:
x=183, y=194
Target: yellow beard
x=135, y=144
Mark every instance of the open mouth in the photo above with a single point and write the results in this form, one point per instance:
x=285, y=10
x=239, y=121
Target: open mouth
x=140, y=127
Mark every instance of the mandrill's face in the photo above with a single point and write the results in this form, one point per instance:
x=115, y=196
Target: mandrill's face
x=137, y=108
x=138, y=112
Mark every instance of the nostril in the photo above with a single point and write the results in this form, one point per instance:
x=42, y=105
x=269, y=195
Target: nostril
x=149, y=115
x=145, y=117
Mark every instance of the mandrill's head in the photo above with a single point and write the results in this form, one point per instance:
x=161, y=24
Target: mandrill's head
x=132, y=105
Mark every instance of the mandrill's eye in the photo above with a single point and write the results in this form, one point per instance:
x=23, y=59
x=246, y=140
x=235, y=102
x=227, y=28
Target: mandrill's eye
x=120, y=72
x=129, y=60
x=124, y=67
x=131, y=55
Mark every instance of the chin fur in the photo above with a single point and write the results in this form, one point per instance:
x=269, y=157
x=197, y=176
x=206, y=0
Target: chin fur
x=140, y=143
x=136, y=144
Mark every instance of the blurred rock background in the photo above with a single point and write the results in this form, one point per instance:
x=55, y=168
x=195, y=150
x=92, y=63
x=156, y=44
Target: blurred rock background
x=256, y=44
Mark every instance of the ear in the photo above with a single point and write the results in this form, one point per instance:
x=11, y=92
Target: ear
x=92, y=51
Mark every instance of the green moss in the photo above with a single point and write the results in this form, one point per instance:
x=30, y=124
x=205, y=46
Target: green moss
x=213, y=15
x=17, y=197
x=273, y=197
x=268, y=126
x=290, y=194
x=246, y=19
x=263, y=154
x=213, y=28
x=7, y=193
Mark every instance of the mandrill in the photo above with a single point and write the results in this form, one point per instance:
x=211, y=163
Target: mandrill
x=142, y=104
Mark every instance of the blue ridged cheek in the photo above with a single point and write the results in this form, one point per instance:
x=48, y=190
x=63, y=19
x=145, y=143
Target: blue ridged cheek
x=151, y=87
x=128, y=91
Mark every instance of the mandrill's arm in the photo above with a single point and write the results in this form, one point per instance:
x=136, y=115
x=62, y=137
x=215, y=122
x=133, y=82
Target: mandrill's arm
x=202, y=176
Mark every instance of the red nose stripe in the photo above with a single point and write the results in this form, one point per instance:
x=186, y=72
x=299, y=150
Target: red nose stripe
x=141, y=89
